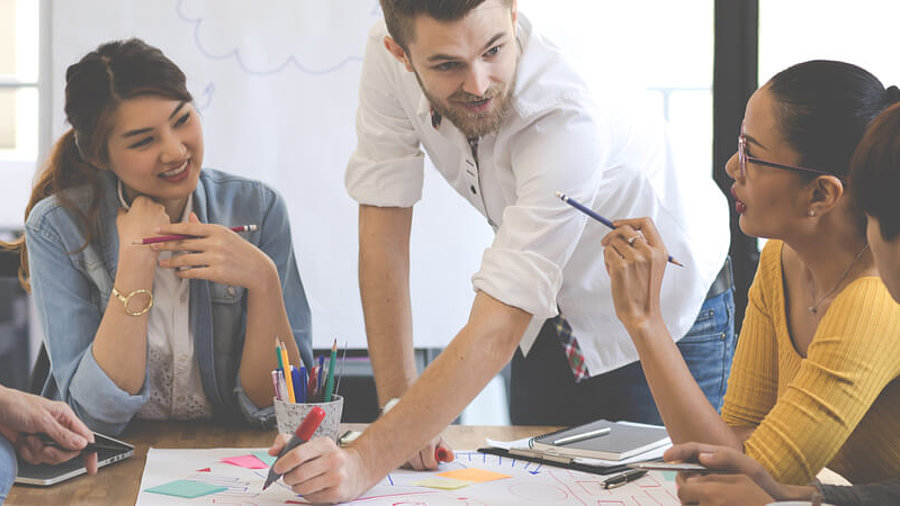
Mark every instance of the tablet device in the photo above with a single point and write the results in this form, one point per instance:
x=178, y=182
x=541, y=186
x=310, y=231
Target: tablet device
x=672, y=466
x=112, y=450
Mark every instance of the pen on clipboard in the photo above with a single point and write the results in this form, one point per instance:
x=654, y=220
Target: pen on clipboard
x=178, y=237
x=590, y=212
x=581, y=437
x=623, y=478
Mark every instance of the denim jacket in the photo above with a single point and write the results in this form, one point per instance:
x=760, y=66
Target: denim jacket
x=72, y=286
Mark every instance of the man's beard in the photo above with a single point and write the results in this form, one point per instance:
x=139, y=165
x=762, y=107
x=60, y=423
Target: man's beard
x=474, y=124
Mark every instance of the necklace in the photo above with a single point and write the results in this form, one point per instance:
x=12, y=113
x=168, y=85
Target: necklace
x=812, y=287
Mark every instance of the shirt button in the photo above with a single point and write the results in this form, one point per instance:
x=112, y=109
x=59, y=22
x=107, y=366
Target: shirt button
x=230, y=290
x=474, y=191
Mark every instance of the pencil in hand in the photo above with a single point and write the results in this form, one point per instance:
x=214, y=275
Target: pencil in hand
x=177, y=237
x=590, y=212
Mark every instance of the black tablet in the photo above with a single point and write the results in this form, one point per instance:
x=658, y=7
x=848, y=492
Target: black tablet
x=112, y=450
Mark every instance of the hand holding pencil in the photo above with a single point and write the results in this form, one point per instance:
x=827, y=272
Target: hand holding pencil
x=214, y=253
x=636, y=260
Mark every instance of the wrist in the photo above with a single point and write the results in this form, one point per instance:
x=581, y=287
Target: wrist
x=266, y=278
x=796, y=492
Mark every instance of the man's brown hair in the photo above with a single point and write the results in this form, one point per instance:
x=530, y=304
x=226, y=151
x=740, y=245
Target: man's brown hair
x=399, y=15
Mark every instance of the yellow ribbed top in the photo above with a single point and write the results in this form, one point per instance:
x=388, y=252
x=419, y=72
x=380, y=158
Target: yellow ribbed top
x=840, y=406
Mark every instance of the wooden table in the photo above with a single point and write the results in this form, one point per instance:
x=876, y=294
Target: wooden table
x=119, y=483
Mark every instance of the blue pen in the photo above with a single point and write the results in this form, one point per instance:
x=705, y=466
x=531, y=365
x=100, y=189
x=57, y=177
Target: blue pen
x=300, y=383
x=590, y=212
x=319, y=384
x=295, y=379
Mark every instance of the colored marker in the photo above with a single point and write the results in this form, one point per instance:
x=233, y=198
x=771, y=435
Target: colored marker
x=299, y=388
x=303, y=434
x=590, y=212
x=275, y=384
x=442, y=454
x=177, y=237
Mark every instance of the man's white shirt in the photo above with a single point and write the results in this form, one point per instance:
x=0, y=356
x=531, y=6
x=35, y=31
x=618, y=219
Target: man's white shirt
x=557, y=136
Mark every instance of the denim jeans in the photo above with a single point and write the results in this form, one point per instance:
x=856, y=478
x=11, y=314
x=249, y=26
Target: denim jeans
x=8, y=467
x=543, y=392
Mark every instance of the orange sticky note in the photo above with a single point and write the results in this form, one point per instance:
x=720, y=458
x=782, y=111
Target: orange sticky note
x=473, y=474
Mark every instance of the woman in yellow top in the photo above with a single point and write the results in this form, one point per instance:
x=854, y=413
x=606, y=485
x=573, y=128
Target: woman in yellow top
x=875, y=172
x=811, y=382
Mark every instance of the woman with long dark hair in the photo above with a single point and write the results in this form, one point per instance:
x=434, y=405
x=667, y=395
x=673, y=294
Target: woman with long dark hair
x=179, y=329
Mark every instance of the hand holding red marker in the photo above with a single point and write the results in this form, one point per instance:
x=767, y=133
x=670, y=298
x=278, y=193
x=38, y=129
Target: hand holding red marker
x=303, y=434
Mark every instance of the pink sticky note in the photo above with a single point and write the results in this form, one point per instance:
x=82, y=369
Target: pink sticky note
x=246, y=461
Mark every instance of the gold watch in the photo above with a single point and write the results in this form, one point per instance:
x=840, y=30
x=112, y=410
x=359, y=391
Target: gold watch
x=126, y=301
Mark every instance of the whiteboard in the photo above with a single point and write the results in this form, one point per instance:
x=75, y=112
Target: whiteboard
x=276, y=84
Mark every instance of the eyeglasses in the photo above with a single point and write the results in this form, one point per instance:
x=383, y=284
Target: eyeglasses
x=744, y=159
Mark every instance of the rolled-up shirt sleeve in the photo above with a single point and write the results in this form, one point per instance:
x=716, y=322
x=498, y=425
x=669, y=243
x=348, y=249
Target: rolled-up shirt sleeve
x=524, y=265
x=386, y=169
x=70, y=320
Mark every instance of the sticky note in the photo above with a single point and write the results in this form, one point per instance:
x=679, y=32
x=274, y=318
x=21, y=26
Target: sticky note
x=266, y=459
x=185, y=488
x=246, y=461
x=442, y=483
x=473, y=474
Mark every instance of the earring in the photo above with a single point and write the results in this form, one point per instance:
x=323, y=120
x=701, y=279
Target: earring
x=811, y=212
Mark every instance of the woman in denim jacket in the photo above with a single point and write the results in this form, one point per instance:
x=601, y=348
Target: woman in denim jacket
x=179, y=329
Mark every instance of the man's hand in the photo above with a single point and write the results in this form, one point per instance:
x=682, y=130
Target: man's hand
x=23, y=416
x=321, y=472
x=426, y=458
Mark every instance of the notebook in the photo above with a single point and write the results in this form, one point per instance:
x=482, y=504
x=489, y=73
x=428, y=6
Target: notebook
x=46, y=474
x=624, y=440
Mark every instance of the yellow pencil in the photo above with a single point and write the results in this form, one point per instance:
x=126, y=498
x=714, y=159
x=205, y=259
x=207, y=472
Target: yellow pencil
x=287, y=374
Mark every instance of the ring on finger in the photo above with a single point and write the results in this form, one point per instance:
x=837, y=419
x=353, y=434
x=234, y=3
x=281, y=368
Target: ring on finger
x=633, y=238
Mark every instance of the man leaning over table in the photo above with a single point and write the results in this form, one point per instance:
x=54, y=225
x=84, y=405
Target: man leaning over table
x=508, y=122
x=22, y=417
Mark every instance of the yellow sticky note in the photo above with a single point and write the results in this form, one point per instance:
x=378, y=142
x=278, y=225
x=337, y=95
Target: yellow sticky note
x=442, y=483
x=473, y=474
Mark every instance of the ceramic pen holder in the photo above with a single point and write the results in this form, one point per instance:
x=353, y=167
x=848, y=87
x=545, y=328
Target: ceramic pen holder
x=288, y=416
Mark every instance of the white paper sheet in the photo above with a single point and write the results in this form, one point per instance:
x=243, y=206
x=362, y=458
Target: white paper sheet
x=530, y=483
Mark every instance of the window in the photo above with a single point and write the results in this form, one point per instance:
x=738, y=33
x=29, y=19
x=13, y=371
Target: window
x=659, y=49
x=19, y=64
x=862, y=33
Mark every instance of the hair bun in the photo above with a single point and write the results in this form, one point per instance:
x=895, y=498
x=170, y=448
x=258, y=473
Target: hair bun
x=892, y=93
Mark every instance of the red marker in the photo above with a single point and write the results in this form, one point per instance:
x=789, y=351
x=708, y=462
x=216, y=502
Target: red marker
x=442, y=454
x=178, y=237
x=303, y=434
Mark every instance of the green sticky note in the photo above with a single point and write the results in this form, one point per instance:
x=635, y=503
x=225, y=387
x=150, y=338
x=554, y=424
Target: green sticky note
x=668, y=475
x=185, y=488
x=265, y=457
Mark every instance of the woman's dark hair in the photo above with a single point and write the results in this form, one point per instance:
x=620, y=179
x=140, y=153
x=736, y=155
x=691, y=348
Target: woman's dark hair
x=823, y=110
x=875, y=170
x=95, y=86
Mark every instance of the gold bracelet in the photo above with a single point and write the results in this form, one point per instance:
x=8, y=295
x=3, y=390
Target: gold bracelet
x=127, y=300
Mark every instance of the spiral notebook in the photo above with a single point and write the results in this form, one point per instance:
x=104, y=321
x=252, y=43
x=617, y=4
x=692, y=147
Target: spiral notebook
x=624, y=440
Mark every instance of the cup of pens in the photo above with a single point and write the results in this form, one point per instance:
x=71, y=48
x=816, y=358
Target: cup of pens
x=308, y=388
